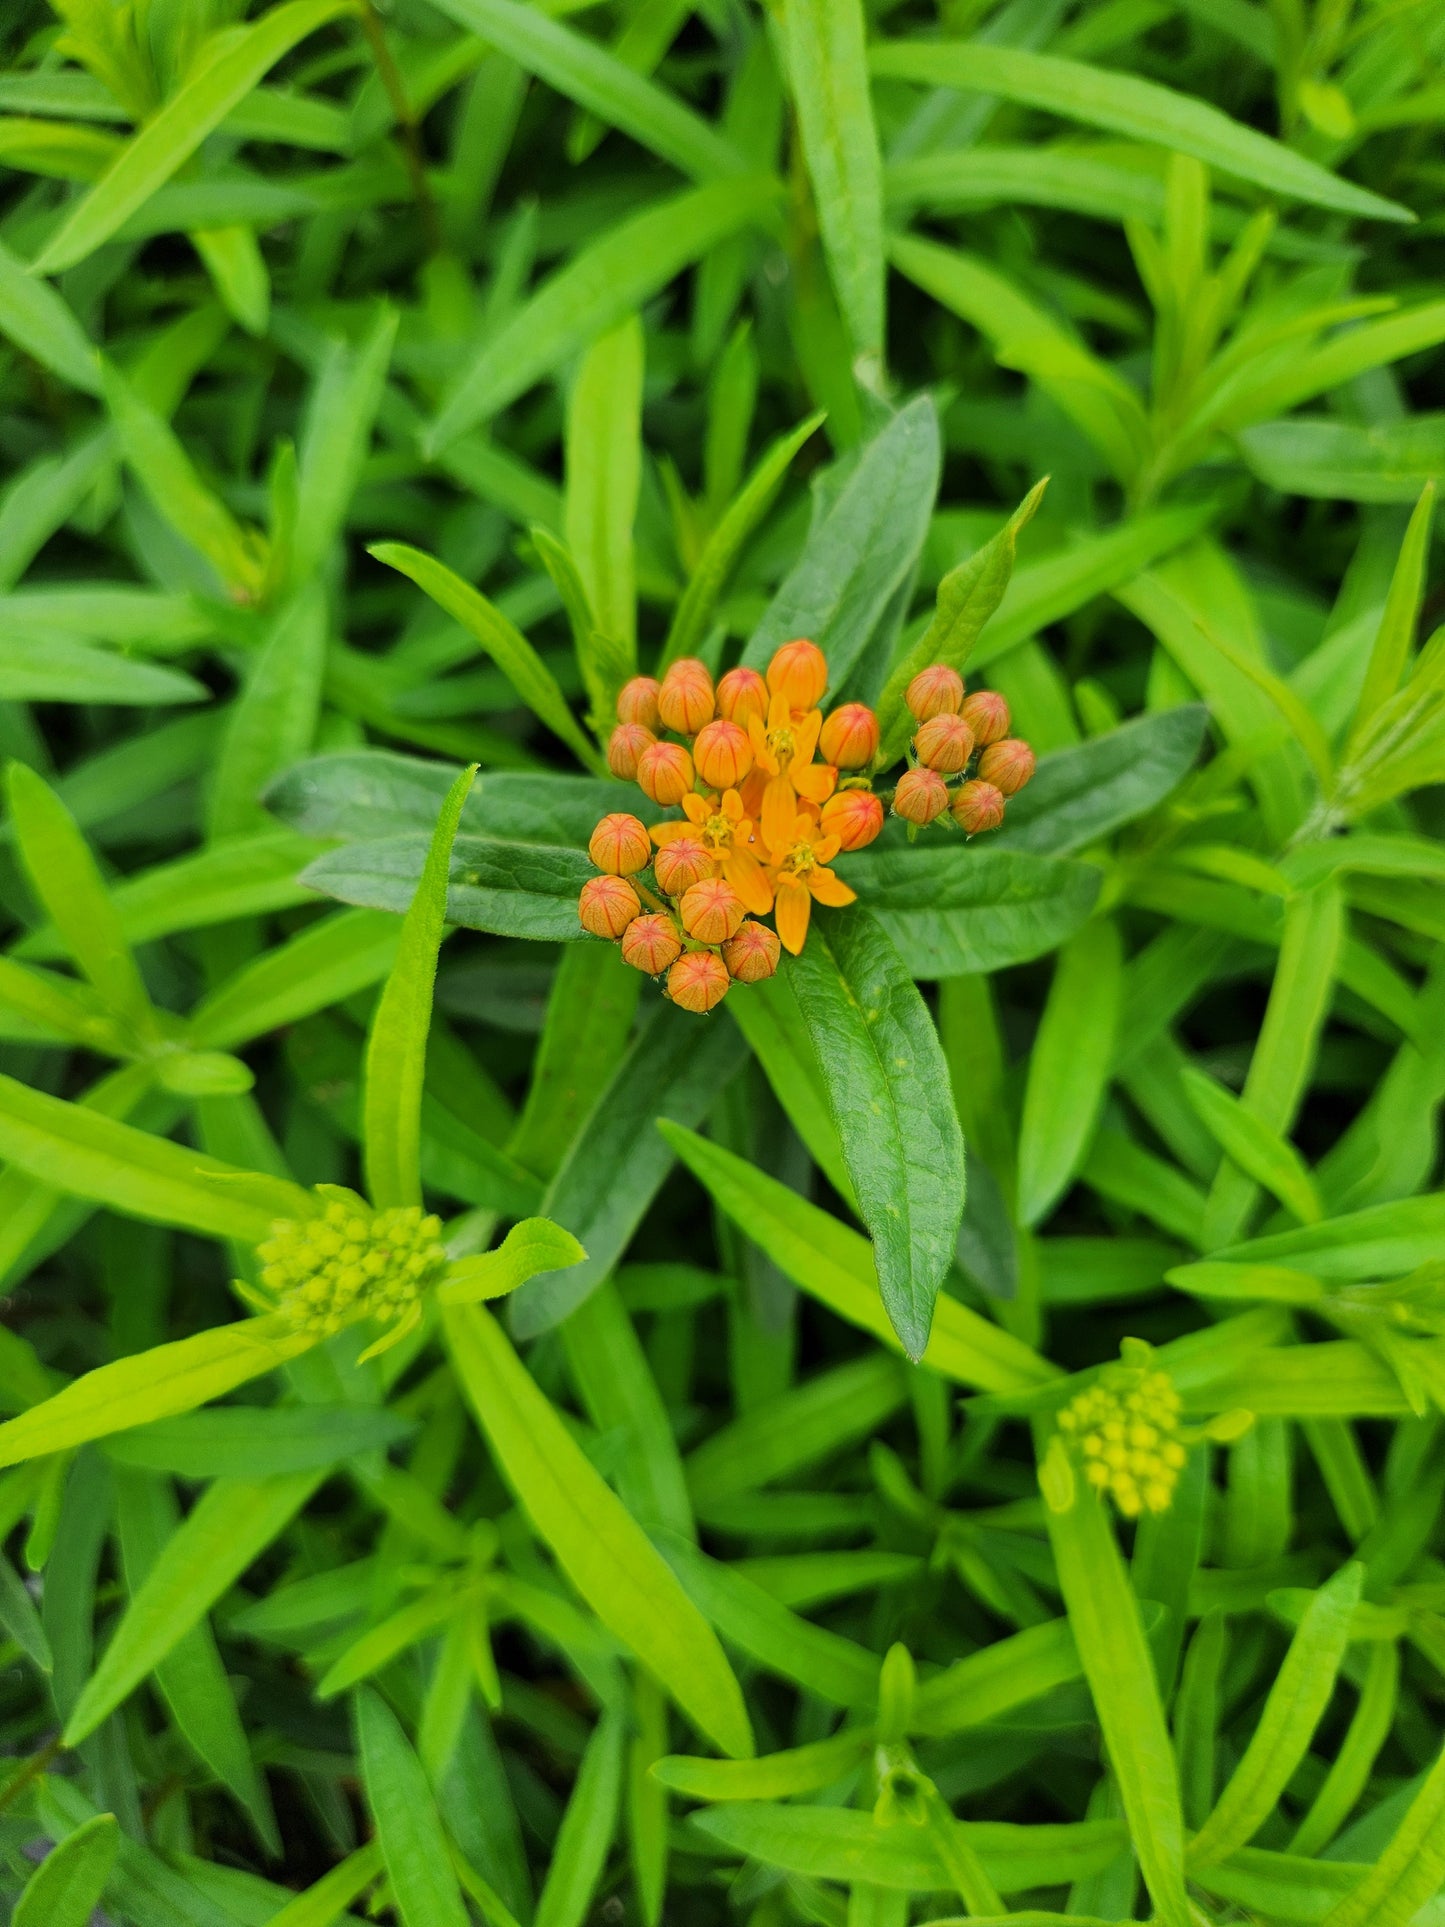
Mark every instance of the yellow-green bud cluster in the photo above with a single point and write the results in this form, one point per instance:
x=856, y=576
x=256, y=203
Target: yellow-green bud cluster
x=349, y=1263
x=1126, y=1430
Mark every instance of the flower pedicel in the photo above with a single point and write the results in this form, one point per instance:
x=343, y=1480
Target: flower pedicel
x=771, y=793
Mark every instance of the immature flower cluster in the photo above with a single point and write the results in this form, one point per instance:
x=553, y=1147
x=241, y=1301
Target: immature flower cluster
x=351, y=1262
x=1126, y=1431
x=762, y=816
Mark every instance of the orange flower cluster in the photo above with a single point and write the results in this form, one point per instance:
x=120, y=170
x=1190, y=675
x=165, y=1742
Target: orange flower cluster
x=762, y=817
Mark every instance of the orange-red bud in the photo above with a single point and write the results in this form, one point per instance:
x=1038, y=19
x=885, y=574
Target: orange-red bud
x=680, y=864
x=699, y=981
x=607, y=905
x=799, y=671
x=920, y=796
x=624, y=749
x=753, y=953
x=849, y=736
x=637, y=701
x=977, y=806
x=723, y=754
x=620, y=845
x=986, y=714
x=685, y=700
x=711, y=910
x=740, y=694
x=945, y=743
x=855, y=817
x=934, y=691
x=1007, y=765
x=651, y=944
x=664, y=771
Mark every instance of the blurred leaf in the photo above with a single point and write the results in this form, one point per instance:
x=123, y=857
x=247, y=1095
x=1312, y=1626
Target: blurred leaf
x=950, y=911
x=273, y=720
x=1081, y=794
x=66, y=1888
x=408, y=1826
x=604, y=469
x=1333, y=461
x=1069, y=1066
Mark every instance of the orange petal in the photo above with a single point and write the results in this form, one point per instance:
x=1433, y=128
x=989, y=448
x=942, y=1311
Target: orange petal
x=794, y=907
x=732, y=805
x=698, y=808
x=779, y=814
x=830, y=889
x=780, y=714
x=817, y=781
x=825, y=848
x=762, y=755
x=664, y=833
x=745, y=874
x=805, y=736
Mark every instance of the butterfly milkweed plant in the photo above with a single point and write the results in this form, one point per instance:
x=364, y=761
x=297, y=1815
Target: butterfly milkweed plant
x=722, y=963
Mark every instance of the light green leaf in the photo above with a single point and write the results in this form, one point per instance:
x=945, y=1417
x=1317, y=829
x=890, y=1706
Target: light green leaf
x=598, y=1544
x=272, y=722
x=1069, y=1066
x=67, y=1886
x=1080, y=794
x=1410, y=1871
x=396, y=1045
x=322, y=1905
x=234, y=1441
x=1124, y=104
x=776, y=1776
x=408, y=1826
x=230, y=1526
x=238, y=59
x=43, y=325
x=328, y=961
x=19, y=1619
x=1258, y=1151
x=1333, y=461
x=536, y=1244
x=604, y=474
x=580, y=1850
x=54, y=669
x=335, y=440
x=1390, y=655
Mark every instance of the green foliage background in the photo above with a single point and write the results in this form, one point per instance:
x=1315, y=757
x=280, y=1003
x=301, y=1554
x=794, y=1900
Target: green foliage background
x=380, y=388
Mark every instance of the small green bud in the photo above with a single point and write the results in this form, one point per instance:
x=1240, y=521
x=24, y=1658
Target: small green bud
x=350, y=1263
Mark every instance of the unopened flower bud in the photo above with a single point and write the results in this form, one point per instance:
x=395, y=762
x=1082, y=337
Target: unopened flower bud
x=699, y=981
x=350, y=1262
x=607, y=905
x=934, y=691
x=664, y=772
x=753, y=953
x=920, y=796
x=685, y=700
x=849, y=737
x=986, y=714
x=723, y=754
x=855, y=817
x=620, y=845
x=651, y=944
x=680, y=864
x=1125, y=1429
x=637, y=701
x=1007, y=765
x=977, y=806
x=945, y=743
x=711, y=910
x=740, y=694
x=799, y=671
x=624, y=749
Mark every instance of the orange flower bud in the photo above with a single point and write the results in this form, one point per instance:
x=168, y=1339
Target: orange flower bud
x=711, y=910
x=920, y=796
x=799, y=671
x=699, y=981
x=685, y=700
x=849, y=736
x=855, y=817
x=637, y=701
x=723, y=754
x=624, y=749
x=620, y=845
x=945, y=743
x=740, y=694
x=1007, y=765
x=977, y=806
x=986, y=714
x=664, y=771
x=651, y=944
x=680, y=864
x=935, y=691
x=753, y=953
x=607, y=905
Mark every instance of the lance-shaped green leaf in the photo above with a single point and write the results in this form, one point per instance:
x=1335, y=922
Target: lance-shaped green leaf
x=595, y=1540
x=1390, y=655
x=828, y=75
x=1409, y=1872
x=1069, y=1066
x=1294, y=1708
x=1124, y=104
x=241, y=57
x=1336, y=461
x=1080, y=794
x=231, y=1525
x=323, y=1904
x=967, y=597
x=953, y=912
x=580, y=1851
x=396, y=1046
x=694, y=611
x=336, y=437
x=1260, y=1153
x=148, y=1385
x=39, y=321
x=408, y=1827
x=19, y=1619
x=604, y=474
x=53, y=669
x=67, y=1886
x=1104, y=1619
x=536, y=1244
x=246, y=1441
x=502, y=640
x=271, y=724
x=327, y=961
x=775, y=1776
x=888, y=1091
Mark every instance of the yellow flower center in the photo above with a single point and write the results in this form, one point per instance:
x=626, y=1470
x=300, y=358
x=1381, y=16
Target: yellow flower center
x=799, y=860
x=717, y=833
x=780, y=742
x=1126, y=1429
